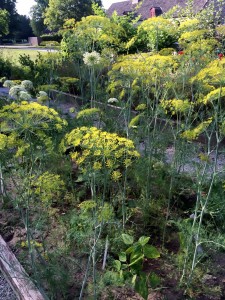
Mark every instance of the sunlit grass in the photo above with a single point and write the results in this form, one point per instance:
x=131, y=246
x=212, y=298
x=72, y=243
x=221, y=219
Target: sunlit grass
x=14, y=54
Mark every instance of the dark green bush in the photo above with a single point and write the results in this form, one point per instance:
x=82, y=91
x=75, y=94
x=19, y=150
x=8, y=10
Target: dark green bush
x=49, y=43
x=51, y=37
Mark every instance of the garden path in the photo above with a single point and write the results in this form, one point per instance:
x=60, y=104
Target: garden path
x=4, y=91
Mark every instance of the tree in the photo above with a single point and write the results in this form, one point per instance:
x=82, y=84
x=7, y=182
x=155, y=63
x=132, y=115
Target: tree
x=37, y=20
x=4, y=19
x=22, y=29
x=10, y=7
x=58, y=11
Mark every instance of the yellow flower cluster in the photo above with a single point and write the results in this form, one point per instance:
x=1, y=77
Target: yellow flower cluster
x=48, y=187
x=135, y=121
x=3, y=141
x=88, y=112
x=214, y=95
x=35, y=113
x=32, y=243
x=213, y=74
x=26, y=121
x=194, y=133
x=141, y=106
x=175, y=106
x=100, y=150
x=193, y=36
x=132, y=72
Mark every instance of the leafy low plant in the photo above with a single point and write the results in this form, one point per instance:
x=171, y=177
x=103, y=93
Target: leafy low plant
x=130, y=263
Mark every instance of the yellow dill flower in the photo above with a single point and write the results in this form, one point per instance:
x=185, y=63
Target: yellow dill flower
x=107, y=147
x=83, y=170
x=43, y=125
x=77, y=142
x=119, y=153
x=88, y=112
x=109, y=163
x=116, y=175
x=74, y=155
x=192, y=134
x=3, y=141
x=134, y=122
x=97, y=165
x=127, y=162
x=204, y=157
x=86, y=152
x=214, y=95
x=176, y=105
x=80, y=160
x=97, y=152
x=107, y=152
x=58, y=127
x=86, y=136
x=141, y=106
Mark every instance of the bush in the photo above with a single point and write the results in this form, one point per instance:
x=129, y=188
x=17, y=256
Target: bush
x=51, y=37
x=48, y=87
x=49, y=43
x=166, y=51
x=69, y=84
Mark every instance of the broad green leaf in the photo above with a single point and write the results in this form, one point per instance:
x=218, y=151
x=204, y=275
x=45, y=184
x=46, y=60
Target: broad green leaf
x=134, y=249
x=130, y=250
x=127, y=239
x=123, y=257
x=135, y=255
x=143, y=240
x=124, y=266
x=117, y=265
x=136, y=260
x=151, y=251
x=141, y=286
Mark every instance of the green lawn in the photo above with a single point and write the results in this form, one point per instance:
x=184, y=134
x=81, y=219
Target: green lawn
x=13, y=54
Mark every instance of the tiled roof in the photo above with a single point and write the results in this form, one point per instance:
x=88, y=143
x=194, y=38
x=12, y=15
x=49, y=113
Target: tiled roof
x=126, y=6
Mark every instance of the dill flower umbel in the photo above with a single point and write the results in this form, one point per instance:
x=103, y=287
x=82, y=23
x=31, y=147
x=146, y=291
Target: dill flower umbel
x=91, y=58
x=100, y=150
x=116, y=175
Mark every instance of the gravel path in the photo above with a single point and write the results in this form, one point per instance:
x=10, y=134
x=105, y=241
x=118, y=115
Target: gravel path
x=6, y=293
x=4, y=91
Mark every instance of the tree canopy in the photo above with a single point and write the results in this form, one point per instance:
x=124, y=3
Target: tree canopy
x=4, y=19
x=58, y=11
x=37, y=21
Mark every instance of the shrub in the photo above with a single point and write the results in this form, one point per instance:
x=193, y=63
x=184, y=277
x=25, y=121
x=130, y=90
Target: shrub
x=69, y=84
x=155, y=34
x=166, y=51
x=51, y=37
x=49, y=43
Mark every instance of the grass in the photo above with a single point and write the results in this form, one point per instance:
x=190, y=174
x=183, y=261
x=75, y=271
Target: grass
x=14, y=54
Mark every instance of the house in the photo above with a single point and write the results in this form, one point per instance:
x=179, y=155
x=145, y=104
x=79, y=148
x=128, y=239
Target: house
x=153, y=8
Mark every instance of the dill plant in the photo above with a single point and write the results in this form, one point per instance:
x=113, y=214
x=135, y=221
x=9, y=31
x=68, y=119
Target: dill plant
x=27, y=137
